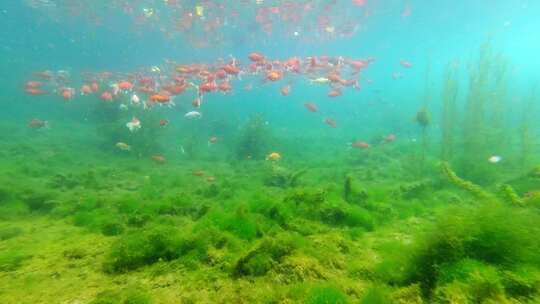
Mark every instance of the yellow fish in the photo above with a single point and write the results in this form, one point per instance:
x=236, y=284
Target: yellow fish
x=199, y=10
x=123, y=146
x=274, y=156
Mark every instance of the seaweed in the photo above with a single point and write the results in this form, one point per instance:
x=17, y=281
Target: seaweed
x=264, y=256
x=449, y=112
x=473, y=189
x=352, y=193
x=254, y=139
x=324, y=295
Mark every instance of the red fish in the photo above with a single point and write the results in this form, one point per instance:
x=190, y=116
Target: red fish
x=274, y=75
x=86, y=89
x=196, y=103
x=231, y=69
x=360, y=144
x=35, y=91
x=311, y=107
x=160, y=98
x=33, y=84
x=68, y=93
x=285, y=90
x=207, y=87
x=94, y=86
x=406, y=64
x=212, y=140
x=163, y=122
x=359, y=2
x=106, y=96
x=37, y=124
x=125, y=85
x=334, y=93
x=255, y=57
x=159, y=159
x=225, y=87
x=331, y=122
x=390, y=138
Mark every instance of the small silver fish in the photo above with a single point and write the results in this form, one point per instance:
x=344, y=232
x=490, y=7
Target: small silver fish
x=193, y=115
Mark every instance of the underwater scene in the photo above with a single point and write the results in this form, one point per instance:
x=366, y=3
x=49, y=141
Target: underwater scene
x=269, y=151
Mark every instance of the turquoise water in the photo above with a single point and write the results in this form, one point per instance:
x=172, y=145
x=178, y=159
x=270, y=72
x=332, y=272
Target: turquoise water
x=190, y=151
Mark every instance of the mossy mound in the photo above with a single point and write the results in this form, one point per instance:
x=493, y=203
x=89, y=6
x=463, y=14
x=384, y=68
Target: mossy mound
x=138, y=249
x=264, y=256
x=486, y=240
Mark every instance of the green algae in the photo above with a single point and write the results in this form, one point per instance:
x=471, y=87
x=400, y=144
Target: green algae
x=87, y=229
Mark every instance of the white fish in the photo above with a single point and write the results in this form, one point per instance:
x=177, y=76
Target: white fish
x=320, y=80
x=193, y=115
x=135, y=100
x=123, y=107
x=134, y=124
x=115, y=89
x=494, y=159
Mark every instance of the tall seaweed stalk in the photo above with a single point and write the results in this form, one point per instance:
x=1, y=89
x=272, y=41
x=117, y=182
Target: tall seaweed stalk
x=449, y=111
x=527, y=119
x=484, y=126
x=423, y=116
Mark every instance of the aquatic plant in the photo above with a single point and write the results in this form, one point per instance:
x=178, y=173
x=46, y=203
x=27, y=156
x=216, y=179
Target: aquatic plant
x=476, y=281
x=509, y=195
x=305, y=195
x=376, y=295
x=254, y=139
x=415, y=189
x=475, y=190
x=139, y=249
x=7, y=233
x=240, y=223
x=491, y=234
x=111, y=228
x=525, y=129
x=143, y=142
x=484, y=126
x=11, y=260
x=352, y=193
x=129, y=295
x=423, y=118
x=522, y=281
x=75, y=253
x=264, y=256
x=326, y=295
x=449, y=112
x=282, y=177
